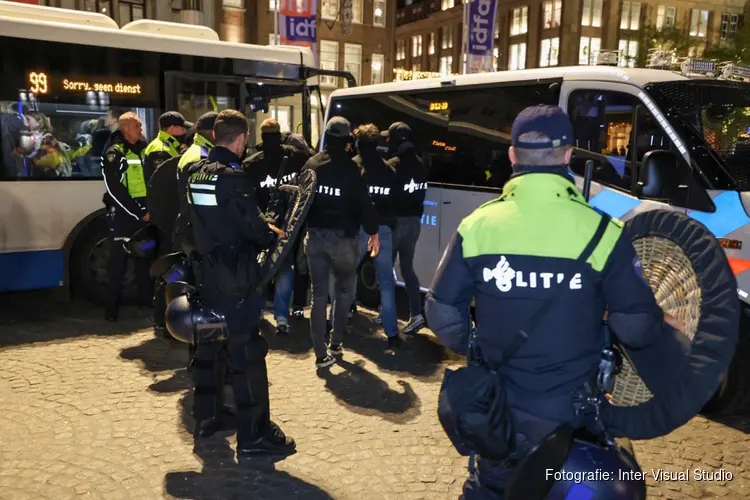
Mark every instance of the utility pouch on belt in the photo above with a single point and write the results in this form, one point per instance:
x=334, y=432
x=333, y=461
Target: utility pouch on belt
x=234, y=269
x=472, y=406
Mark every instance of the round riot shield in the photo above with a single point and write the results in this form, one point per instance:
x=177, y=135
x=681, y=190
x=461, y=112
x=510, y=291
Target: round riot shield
x=301, y=197
x=662, y=386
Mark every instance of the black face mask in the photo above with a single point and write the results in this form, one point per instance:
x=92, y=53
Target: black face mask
x=181, y=138
x=271, y=141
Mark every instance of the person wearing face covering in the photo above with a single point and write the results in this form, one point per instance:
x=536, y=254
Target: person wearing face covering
x=408, y=199
x=264, y=166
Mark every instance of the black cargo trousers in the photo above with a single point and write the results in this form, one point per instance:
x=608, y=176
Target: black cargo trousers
x=245, y=352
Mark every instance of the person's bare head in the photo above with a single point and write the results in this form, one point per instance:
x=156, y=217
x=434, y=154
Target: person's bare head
x=130, y=127
x=544, y=157
x=231, y=131
x=367, y=136
x=270, y=126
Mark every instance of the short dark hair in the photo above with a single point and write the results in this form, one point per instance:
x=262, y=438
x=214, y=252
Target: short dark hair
x=229, y=125
x=116, y=113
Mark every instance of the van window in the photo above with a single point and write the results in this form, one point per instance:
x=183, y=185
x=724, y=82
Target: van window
x=605, y=123
x=462, y=133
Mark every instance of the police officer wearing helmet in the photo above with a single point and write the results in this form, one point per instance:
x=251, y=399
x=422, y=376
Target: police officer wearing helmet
x=125, y=181
x=515, y=253
x=229, y=233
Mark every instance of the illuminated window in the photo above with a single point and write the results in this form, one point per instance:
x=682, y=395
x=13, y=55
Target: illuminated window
x=698, y=22
x=517, y=56
x=400, y=50
x=416, y=67
x=448, y=37
x=329, y=59
x=416, y=46
x=353, y=60
x=519, y=21
x=378, y=65
x=592, y=13
x=329, y=9
x=628, y=53
x=665, y=17
x=552, y=13
x=447, y=4
x=100, y=6
x=378, y=13
x=549, y=52
x=588, y=50
x=446, y=65
x=237, y=4
x=130, y=10
x=274, y=39
x=728, y=26
x=495, y=57
x=283, y=115
x=631, y=15
x=431, y=48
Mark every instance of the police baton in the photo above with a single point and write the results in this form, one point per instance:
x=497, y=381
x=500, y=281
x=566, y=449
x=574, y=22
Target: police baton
x=588, y=174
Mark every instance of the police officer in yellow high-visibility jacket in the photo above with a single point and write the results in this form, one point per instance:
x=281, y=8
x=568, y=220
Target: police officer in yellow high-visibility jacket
x=167, y=143
x=125, y=181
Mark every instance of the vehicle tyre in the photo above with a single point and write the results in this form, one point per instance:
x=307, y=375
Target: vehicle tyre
x=88, y=265
x=733, y=394
x=368, y=293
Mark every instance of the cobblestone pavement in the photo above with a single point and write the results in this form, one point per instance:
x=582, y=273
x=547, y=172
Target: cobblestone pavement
x=94, y=410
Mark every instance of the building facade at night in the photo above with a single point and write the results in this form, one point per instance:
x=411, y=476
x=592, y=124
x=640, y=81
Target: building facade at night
x=540, y=33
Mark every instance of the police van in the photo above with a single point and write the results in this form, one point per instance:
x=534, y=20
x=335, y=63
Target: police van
x=462, y=124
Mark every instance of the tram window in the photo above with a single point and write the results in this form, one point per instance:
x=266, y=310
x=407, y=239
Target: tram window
x=463, y=133
x=603, y=124
x=56, y=141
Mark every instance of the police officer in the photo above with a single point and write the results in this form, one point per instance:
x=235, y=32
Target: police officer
x=264, y=166
x=514, y=253
x=167, y=143
x=408, y=199
x=201, y=146
x=228, y=233
x=380, y=178
x=341, y=205
x=125, y=181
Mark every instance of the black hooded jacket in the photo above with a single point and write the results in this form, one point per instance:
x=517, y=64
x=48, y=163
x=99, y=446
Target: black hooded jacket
x=411, y=180
x=380, y=178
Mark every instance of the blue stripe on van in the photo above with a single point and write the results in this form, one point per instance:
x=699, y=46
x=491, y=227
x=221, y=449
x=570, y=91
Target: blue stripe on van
x=32, y=270
x=729, y=216
x=614, y=203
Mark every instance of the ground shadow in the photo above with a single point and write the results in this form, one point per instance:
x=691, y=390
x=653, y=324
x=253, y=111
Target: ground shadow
x=737, y=422
x=41, y=316
x=222, y=477
x=363, y=392
x=297, y=344
x=158, y=354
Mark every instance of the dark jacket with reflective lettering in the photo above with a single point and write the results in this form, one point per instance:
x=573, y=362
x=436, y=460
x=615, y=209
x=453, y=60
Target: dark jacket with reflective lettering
x=341, y=201
x=514, y=253
x=411, y=182
x=264, y=167
x=380, y=178
x=222, y=206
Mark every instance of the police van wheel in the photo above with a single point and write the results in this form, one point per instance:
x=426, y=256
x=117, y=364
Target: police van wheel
x=88, y=265
x=368, y=293
x=732, y=397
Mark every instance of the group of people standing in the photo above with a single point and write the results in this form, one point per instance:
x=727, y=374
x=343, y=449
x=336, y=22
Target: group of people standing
x=220, y=207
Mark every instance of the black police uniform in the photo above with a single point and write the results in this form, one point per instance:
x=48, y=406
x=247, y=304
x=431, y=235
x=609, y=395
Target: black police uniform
x=512, y=255
x=125, y=181
x=229, y=232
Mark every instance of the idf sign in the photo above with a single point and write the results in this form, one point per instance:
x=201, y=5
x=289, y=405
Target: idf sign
x=298, y=23
x=481, y=27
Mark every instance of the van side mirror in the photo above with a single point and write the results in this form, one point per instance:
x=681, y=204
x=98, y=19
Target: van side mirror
x=662, y=176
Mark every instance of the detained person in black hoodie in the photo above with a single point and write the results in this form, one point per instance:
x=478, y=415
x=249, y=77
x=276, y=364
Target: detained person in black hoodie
x=264, y=167
x=380, y=178
x=341, y=205
x=408, y=199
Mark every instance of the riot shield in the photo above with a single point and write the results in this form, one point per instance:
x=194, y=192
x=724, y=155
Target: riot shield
x=300, y=200
x=662, y=386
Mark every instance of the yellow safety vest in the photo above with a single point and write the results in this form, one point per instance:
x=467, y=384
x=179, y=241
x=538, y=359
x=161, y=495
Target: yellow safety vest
x=163, y=142
x=196, y=152
x=133, y=178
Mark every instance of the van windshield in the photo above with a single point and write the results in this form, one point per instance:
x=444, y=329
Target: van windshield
x=714, y=117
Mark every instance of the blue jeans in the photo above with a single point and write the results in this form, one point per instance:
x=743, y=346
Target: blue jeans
x=384, y=272
x=284, y=286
